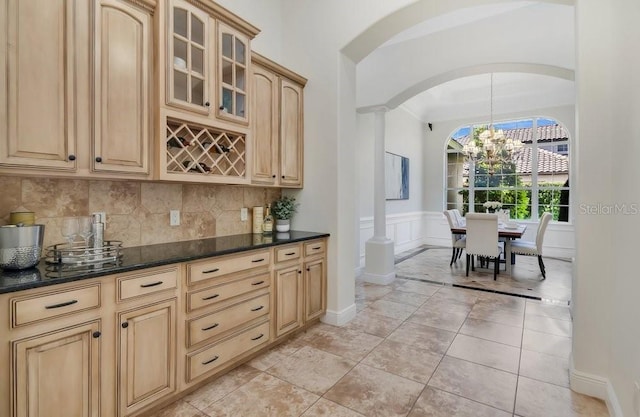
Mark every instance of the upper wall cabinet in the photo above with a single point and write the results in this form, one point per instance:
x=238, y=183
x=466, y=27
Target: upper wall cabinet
x=207, y=60
x=75, y=87
x=277, y=124
x=122, y=96
x=39, y=67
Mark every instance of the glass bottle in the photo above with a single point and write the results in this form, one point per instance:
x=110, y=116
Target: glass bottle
x=267, y=223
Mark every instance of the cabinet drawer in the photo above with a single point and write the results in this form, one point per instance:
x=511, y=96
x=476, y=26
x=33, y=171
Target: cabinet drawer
x=217, y=267
x=217, y=323
x=144, y=284
x=288, y=253
x=219, y=354
x=313, y=248
x=212, y=295
x=53, y=304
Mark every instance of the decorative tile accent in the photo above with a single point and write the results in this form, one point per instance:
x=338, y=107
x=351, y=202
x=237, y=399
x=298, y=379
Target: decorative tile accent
x=11, y=197
x=55, y=197
x=114, y=197
x=159, y=198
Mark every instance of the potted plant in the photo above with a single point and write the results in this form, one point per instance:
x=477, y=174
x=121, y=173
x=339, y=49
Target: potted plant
x=283, y=209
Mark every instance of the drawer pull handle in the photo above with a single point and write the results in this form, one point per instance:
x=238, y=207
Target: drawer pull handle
x=68, y=303
x=211, y=297
x=257, y=308
x=258, y=260
x=317, y=248
x=213, y=326
x=215, y=358
x=211, y=271
x=257, y=283
x=257, y=337
x=290, y=253
x=153, y=284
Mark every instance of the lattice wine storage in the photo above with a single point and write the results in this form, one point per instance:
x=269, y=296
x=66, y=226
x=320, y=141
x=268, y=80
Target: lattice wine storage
x=204, y=151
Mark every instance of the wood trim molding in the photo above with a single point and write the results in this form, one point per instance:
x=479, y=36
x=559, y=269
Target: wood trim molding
x=226, y=16
x=256, y=58
x=148, y=5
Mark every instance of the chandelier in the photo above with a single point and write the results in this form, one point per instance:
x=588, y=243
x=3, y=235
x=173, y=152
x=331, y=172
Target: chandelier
x=492, y=147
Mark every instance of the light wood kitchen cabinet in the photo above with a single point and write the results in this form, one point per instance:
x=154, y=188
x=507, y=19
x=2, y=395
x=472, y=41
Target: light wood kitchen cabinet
x=147, y=355
x=289, y=301
x=76, y=87
x=315, y=288
x=315, y=279
x=277, y=124
x=40, y=362
x=207, y=61
x=39, y=69
x=123, y=62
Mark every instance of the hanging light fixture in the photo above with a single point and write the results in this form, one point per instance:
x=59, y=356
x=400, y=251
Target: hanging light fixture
x=492, y=147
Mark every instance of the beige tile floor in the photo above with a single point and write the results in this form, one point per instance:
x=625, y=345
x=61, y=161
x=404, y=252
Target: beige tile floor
x=414, y=349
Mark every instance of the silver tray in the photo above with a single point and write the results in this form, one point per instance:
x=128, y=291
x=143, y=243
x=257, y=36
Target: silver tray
x=79, y=254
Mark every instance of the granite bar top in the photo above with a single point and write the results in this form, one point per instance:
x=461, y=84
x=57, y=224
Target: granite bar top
x=141, y=257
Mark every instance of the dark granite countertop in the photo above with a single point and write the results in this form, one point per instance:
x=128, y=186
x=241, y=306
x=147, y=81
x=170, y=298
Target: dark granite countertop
x=141, y=257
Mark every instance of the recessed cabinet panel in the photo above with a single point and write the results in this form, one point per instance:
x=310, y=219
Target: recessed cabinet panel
x=147, y=355
x=291, y=133
x=288, y=299
x=265, y=126
x=315, y=288
x=37, y=84
x=58, y=374
x=122, y=95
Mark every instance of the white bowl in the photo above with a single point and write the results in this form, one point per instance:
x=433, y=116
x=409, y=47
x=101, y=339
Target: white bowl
x=511, y=225
x=179, y=62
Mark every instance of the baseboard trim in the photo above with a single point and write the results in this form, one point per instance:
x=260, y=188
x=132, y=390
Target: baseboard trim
x=595, y=386
x=379, y=279
x=340, y=318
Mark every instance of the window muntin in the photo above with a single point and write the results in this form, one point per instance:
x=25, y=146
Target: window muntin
x=526, y=192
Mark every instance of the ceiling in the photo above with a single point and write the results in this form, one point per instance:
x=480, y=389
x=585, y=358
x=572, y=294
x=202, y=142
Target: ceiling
x=522, y=32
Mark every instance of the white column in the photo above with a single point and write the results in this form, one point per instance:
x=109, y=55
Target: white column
x=379, y=265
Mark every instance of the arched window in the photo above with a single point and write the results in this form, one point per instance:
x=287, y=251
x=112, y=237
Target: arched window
x=536, y=182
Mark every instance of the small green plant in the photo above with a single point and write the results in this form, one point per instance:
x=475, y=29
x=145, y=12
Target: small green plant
x=284, y=207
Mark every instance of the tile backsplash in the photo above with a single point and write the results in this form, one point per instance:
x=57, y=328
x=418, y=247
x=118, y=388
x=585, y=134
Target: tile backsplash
x=137, y=212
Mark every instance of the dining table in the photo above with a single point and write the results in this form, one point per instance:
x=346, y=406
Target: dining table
x=505, y=231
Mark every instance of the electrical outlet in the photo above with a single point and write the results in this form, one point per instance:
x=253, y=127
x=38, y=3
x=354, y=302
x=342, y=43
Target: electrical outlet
x=174, y=218
x=244, y=214
x=102, y=217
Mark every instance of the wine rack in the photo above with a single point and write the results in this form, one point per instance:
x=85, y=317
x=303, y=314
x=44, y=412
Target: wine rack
x=204, y=151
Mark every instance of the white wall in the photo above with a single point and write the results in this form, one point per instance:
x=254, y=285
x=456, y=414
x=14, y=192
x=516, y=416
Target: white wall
x=606, y=340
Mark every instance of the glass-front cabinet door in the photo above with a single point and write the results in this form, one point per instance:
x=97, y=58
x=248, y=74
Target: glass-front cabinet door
x=188, y=46
x=233, y=72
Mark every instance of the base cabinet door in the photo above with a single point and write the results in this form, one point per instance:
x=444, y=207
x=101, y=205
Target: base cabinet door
x=146, y=358
x=288, y=299
x=315, y=299
x=57, y=374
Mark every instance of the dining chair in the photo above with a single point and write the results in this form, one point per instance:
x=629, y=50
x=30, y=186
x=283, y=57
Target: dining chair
x=458, y=217
x=458, y=242
x=482, y=239
x=528, y=248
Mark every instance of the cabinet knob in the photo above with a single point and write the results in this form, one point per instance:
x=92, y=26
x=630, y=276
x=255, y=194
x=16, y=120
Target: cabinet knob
x=308, y=269
x=72, y=157
x=207, y=104
x=125, y=324
x=299, y=271
x=283, y=177
x=96, y=335
x=273, y=176
x=98, y=159
x=221, y=107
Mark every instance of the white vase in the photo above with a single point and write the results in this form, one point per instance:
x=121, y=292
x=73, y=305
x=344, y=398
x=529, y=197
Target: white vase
x=283, y=225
